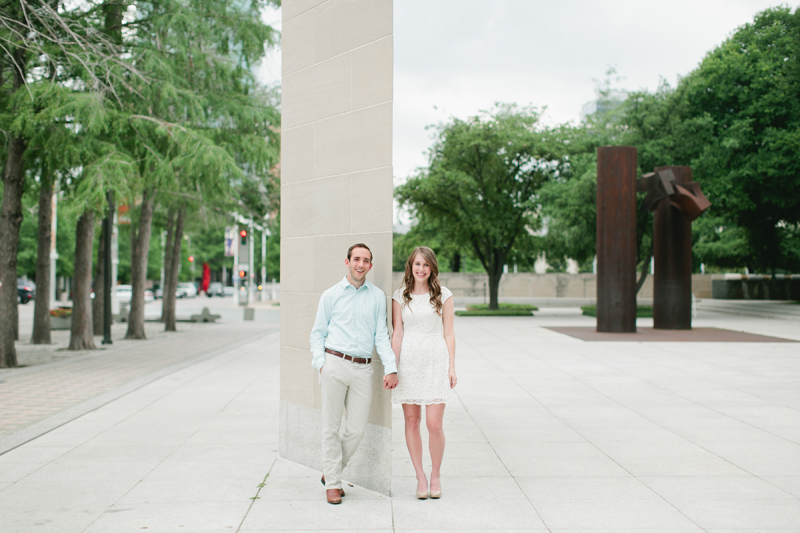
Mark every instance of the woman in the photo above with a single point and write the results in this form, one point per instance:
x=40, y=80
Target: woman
x=425, y=346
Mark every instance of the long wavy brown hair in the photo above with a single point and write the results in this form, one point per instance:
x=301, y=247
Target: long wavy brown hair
x=433, y=280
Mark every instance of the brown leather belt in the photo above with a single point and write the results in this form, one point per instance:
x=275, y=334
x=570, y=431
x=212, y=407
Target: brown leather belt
x=364, y=360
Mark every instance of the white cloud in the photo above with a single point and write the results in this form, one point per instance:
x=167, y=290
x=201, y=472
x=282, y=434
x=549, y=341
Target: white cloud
x=464, y=55
x=461, y=56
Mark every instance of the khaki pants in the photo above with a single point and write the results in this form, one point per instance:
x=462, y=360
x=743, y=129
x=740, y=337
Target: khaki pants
x=347, y=385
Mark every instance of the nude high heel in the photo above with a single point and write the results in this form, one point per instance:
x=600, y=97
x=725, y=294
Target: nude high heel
x=423, y=495
x=438, y=494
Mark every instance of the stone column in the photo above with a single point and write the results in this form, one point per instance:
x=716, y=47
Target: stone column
x=336, y=190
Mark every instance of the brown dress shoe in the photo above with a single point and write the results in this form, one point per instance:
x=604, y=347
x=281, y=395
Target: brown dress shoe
x=341, y=491
x=333, y=496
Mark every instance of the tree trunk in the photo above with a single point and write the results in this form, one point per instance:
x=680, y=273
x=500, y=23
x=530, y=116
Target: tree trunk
x=167, y=262
x=41, y=310
x=494, y=287
x=140, y=247
x=99, y=285
x=10, y=222
x=171, y=282
x=455, y=264
x=82, y=337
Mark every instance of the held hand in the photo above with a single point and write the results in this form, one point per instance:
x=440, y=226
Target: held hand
x=389, y=381
x=453, y=378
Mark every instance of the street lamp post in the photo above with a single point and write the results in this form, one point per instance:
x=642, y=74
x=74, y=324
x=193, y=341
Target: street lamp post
x=108, y=223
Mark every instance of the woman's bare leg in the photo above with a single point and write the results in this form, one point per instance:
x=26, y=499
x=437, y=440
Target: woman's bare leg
x=434, y=414
x=413, y=414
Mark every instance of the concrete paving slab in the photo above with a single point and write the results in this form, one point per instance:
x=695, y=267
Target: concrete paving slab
x=790, y=484
x=463, y=488
x=763, y=514
x=544, y=433
x=465, y=515
x=171, y=517
x=352, y=515
x=698, y=488
x=637, y=515
x=540, y=488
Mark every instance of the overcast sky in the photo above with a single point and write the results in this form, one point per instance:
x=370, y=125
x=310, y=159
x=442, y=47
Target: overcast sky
x=461, y=56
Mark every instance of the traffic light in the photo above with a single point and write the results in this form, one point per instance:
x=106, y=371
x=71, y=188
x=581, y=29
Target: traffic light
x=242, y=274
x=191, y=259
x=244, y=247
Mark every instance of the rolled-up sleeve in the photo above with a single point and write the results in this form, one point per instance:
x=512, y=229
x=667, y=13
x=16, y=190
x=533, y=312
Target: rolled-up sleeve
x=320, y=332
x=382, y=343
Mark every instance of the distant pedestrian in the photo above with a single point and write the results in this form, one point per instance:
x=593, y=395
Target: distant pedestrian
x=425, y=344
x=351, y=321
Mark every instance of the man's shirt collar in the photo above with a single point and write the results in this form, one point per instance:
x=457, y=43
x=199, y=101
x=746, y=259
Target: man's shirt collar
x=345, y=284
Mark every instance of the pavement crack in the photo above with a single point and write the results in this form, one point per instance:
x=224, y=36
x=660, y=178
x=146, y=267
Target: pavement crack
x=256, y=497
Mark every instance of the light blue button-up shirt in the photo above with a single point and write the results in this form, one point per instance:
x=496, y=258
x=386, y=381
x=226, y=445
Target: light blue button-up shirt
x=352, y=321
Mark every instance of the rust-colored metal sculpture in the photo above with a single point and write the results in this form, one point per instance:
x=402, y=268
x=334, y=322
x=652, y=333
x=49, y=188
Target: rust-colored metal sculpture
x=616, y=239
x=676, y=200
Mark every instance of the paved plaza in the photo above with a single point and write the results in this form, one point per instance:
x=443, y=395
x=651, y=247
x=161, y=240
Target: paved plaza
x=547, y=433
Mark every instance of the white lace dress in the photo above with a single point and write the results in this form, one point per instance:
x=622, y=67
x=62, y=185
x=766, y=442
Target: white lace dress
x=423, y=370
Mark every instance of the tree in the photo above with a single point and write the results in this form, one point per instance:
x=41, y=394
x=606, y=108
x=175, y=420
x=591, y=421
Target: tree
x=735, y=121
x=41, y=311
x=206, y=131
x=748, y=89
x=481, y=184
x=81, y=334
x=53, y=55
x=426, y=232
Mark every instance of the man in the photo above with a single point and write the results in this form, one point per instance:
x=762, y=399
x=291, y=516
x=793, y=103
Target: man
x=351, y=321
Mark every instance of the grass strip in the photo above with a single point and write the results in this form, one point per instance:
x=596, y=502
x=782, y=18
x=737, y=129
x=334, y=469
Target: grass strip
x=496, y=312
x=642, y=311
x=515, y=307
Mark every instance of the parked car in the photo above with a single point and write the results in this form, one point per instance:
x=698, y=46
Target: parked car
x=228, y=291
x=215, y=289
x=188, y=289
x=124, y=293
x=26, y=290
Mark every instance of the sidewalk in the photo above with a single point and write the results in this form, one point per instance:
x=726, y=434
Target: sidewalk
x=547, y=433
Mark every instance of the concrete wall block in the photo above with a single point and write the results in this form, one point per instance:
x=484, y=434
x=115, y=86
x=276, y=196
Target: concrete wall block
x=299, y=380
x=298, y=36
x=343, y=25
x=297, y=256
x=297, y=215
x=321, y=91
x=297, y=154
x=371, y=201
x=293, y=8
x=361, y=140
x=298, y=310
x=531, y=285
x=331, y=206
x=372, y=73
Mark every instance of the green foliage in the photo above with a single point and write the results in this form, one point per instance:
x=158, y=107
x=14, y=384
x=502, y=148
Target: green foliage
x=502, y=311
x=642, y=311
x=170, y=104
x=503, y=306
x=28, y=239
x=735, y=120
x=480, y=187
